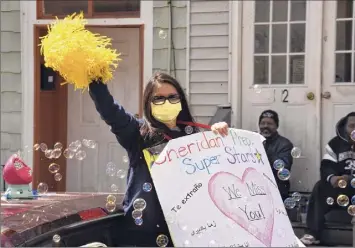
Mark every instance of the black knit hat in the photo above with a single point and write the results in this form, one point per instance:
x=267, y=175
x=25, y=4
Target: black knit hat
x=270, y=114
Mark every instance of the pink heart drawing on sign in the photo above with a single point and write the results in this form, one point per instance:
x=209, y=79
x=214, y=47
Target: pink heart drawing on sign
x=247, y=201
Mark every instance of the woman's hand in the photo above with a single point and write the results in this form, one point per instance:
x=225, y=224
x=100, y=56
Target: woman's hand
x=220, y=128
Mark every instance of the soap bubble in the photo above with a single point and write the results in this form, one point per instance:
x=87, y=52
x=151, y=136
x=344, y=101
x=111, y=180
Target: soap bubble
x=330, y=201
x=147, y=187
x=91, y=144
x=352, y=183
x=170, y=218
x=279, y=164
x=58, y=145
x=352, y=135
x=296, y=152
x=351, y=210
x=48, y=153
x=80, y=155
x=36, y=147
x=111, y=198
x=163, y=34
x=56, y=153
x=68, y=153
x=53, y=168
x=110, y=206
x=162, y=240
x=187, y=243
x=290, y=203
x=296, y=196
x=138, y=221
x=125, y=159
x=189, y=130
x=27, y=218
x=78, y=144
x=56, y=238
x=42, y=188
x=257, y=88
x=137, y=214
x=212, y=243
x=111, y=165
x=342, y=184
x=353, y=200
x=343, y=200
x=111, y=172
x=139, y=204
x=284, y=174
x=72, y=146
x=182, y=224
x=43, y=147
x=58, y=177
x=121, y=174
x=85, y=142
x=114, y=188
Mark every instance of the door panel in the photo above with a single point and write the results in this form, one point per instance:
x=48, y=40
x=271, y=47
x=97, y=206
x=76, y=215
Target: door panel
x=280, y=71
x=338, y=96
x=89, y=175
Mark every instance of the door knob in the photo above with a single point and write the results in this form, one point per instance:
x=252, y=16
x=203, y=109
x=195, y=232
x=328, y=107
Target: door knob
x=326, y=95
x=310, y=96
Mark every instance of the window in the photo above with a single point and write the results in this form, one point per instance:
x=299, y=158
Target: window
x=279, y=41
x=345, y=39
x=90, y=8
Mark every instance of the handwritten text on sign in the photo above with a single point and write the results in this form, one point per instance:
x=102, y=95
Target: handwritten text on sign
x=220, y=192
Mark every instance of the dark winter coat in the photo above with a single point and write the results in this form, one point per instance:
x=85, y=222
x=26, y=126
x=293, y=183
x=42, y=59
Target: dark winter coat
x=279, y=147
x=126, y=127
x=339, y=158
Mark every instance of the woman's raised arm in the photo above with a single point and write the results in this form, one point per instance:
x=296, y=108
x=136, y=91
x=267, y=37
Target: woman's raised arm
x=124, y=125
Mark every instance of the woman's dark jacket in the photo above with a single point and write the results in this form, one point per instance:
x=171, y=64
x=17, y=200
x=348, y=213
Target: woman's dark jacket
x=126, y=127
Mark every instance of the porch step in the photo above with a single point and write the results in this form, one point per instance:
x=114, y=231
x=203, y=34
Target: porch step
x=338, y=228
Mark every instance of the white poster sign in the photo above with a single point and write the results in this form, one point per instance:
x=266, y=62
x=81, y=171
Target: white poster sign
x=220, y=192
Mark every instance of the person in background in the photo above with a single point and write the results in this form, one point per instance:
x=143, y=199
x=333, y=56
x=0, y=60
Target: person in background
x=276, y=146
x=336, y=170
x=166, y=116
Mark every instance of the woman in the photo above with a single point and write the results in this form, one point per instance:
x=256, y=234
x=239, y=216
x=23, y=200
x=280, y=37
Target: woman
x=165, y=108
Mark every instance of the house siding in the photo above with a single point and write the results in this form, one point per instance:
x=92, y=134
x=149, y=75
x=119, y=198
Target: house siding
x=209, y=54
x=160, y=46
x=11, y=87
x=208, y=51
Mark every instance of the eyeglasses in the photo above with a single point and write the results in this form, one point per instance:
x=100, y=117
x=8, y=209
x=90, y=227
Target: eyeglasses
x=159, y=100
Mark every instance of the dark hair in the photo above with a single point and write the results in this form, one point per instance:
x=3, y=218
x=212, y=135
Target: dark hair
x=151, y=126
x=270, y=114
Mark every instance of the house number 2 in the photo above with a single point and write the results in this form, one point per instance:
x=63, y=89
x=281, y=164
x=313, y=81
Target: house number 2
x=284, y=95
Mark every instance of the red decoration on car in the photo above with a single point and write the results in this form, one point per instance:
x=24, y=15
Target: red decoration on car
x=16, y=172
x=92, y=214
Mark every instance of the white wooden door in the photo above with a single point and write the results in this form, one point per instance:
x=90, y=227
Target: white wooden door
x=280, y=67
x=89, y=175
x=338, y=91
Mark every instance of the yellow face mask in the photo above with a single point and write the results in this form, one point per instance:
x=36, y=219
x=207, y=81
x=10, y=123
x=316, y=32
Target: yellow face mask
x=166, y=112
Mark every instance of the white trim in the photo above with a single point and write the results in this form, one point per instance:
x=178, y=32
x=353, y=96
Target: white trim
x=235, y=68
x=147, y=19
x=315, y=34
x=187, y=83
x=27, y=80
x=28, y=20
x=230, y=44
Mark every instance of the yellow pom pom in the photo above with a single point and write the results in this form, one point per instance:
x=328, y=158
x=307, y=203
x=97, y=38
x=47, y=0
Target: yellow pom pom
x=77, y=54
